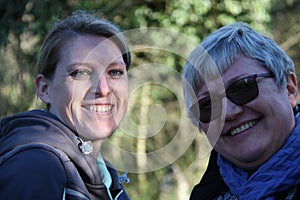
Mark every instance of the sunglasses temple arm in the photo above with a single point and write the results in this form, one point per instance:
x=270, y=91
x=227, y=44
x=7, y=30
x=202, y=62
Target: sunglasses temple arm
x=296, y=109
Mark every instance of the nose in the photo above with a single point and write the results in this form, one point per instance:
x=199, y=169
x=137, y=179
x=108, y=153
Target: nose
x=103, y=86
x=230, y=109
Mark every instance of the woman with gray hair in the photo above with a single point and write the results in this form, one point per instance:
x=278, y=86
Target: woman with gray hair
x=241, y=90
x=54, y=153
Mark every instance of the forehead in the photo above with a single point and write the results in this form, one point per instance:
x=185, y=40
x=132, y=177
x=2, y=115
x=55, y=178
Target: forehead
x=90, y=48
x=241, y=67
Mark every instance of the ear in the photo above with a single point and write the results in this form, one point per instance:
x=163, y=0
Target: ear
x=42, y=87
x=292, y=89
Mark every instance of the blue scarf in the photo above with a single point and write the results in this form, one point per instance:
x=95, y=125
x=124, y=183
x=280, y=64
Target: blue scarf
x=280, y=173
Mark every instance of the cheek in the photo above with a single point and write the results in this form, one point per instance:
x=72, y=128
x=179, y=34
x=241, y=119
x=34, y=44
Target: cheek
x=274, y=105
x=78, y=91
x=122, y=91
x=68, y=97
x=213, y=131
x=204, y=126
x=126, y=95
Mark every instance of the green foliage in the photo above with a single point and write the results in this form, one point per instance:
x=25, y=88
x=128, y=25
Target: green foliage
x=24, y=24
x=285, y=27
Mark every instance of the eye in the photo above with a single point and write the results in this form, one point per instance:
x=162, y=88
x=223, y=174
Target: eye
x=116, y=73
x=242, y=84
x=80, y=73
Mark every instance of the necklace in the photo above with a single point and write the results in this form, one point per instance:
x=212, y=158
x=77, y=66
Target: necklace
x=85, y=147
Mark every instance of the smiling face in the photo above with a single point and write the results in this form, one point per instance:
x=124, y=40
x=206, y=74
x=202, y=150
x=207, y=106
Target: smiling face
x=252, y=132
x=89, y=89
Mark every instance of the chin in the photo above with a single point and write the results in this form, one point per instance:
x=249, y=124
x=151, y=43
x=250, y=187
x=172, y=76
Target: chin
x=249, y=163
x=93, y=136
x=103, y=135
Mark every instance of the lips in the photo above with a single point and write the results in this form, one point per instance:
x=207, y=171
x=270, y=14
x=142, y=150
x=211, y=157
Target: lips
x=242, y=128
x=100, y=108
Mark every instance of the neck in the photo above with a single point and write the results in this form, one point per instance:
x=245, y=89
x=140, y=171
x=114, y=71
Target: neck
x=96, y=147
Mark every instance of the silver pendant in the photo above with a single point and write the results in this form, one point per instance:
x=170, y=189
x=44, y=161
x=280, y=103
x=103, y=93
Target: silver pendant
x=85, y=147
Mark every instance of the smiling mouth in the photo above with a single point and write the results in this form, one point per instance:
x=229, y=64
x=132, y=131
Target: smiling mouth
x=242, y=128
x=100, y=109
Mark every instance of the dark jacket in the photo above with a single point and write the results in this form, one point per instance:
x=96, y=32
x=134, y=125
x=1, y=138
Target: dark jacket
x=40, y=159
x=213, y=187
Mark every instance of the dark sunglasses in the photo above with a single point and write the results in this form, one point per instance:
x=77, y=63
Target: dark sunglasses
x=240, y=92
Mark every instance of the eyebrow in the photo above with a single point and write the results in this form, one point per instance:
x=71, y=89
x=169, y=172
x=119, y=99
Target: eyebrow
x=78, y=64
x=117, y=64
x=92, y=65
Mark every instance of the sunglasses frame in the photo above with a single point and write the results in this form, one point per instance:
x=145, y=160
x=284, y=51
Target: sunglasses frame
x=210, y=116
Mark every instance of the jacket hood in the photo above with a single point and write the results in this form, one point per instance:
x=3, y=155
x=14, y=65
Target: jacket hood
x=42, y=127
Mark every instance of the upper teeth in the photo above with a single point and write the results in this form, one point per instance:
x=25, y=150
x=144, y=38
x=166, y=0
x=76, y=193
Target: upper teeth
x=243, y=127
x=101, y=109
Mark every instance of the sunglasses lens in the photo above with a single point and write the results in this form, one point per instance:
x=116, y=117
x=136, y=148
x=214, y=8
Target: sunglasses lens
x=243, y=91
x=204, y=111
x=240, y=92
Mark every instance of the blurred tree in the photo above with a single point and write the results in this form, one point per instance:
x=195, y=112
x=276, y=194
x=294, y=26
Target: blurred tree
x=195, y=19
x=24, y=24
x=284, y=26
